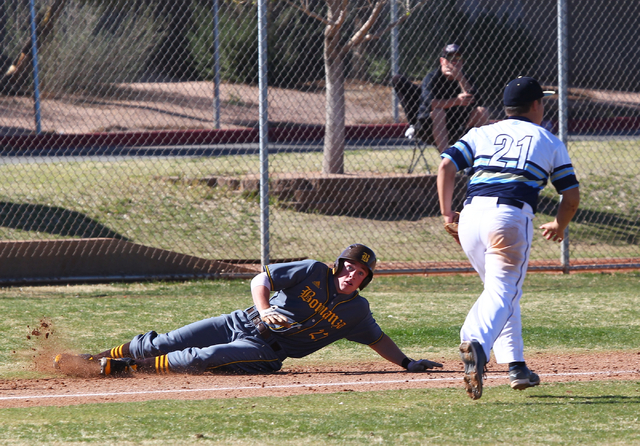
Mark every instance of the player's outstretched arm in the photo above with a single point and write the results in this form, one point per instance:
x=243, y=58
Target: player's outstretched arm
x=391, y=352
x=554, y=230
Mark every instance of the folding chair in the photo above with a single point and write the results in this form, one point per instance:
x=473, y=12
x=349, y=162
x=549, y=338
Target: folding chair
x=420, y=143
x=409, y=96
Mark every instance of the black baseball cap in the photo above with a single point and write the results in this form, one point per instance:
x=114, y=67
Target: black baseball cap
x=450, y=49
x=523, y=90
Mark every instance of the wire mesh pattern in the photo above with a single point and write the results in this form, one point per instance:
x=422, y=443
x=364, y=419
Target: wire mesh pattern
x=138, y=121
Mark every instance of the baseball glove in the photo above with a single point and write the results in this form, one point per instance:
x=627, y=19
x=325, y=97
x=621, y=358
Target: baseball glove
x=452, y=228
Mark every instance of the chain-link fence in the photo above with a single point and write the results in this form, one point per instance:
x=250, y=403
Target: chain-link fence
x=139, y=121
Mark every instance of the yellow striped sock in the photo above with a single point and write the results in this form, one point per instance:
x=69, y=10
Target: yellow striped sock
x=116, y=352
x=162, y=365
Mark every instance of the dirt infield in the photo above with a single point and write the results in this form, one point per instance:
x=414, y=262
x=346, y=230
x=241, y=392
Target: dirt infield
x=297, y=380
x=188, y=105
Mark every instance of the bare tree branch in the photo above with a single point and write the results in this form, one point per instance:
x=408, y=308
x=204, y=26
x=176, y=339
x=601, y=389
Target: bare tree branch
x=334, y=58
x=305, y=8
x=360, y=35
x=370, y=37
x=342, y=17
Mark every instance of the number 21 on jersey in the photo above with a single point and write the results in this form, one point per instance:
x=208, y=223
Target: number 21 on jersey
x=509, y=154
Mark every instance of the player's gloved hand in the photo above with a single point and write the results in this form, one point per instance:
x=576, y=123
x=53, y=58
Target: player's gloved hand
x=452, y=226
x=271, y=316
x=410, y=132
x=421, y=365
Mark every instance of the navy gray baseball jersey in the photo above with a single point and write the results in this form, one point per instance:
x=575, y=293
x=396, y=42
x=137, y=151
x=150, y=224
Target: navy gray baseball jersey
x=304, y=291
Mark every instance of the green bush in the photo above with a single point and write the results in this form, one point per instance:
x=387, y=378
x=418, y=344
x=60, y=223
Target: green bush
x=498, y=51
x=237, y=30
x=93, y=47
x=294, y=44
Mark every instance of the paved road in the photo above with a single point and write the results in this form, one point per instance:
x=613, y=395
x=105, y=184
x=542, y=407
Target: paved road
x=118, y=153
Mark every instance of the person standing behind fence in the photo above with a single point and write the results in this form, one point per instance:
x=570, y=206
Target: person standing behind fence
x=447, y=103
x=512, y=161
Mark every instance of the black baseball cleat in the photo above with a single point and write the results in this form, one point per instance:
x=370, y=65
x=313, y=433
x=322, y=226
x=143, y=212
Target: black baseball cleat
x=117, y=367
x=522, y=378
x=474, y=359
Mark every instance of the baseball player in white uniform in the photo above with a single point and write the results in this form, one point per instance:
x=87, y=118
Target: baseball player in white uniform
x=511, y=162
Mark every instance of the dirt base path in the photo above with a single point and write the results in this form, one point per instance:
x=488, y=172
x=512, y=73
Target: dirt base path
x=297, y=380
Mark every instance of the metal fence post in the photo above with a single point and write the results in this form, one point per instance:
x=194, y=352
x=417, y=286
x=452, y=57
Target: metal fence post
x=563, y=115
x=394, y=59
x=264, y=133
x=216, y=65
x=36, y=82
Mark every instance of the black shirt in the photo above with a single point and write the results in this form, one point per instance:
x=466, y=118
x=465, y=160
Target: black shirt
x=436, y=86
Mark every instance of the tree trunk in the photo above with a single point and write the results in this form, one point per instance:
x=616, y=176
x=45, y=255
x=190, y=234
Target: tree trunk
x=333, y=159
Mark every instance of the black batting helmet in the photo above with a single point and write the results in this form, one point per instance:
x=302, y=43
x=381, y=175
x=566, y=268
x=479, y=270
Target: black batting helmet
x=358, y=253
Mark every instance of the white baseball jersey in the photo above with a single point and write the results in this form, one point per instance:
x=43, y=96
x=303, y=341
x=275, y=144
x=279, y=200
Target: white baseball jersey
x=513, y=159
x=512, y=162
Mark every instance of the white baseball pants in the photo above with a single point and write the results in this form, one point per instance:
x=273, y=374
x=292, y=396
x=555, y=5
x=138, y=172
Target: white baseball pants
x=497, y=239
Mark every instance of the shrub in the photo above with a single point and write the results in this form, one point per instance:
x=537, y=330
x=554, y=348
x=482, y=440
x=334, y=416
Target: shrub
x=93, y=47
x=294, y=44
x=238, y=41
x=496, y=52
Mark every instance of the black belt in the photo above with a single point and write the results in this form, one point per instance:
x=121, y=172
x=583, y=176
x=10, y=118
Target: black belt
x=263, y=331
x=508, y=201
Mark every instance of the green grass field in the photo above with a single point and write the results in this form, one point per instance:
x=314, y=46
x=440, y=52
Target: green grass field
x=562, y=314
x=559, y=414
x=133, y=199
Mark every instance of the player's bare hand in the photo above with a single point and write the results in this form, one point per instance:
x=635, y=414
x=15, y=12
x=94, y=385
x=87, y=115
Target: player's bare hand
x=421, y=365
x=552, y=232
x=271, y=316
x=451, y=217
